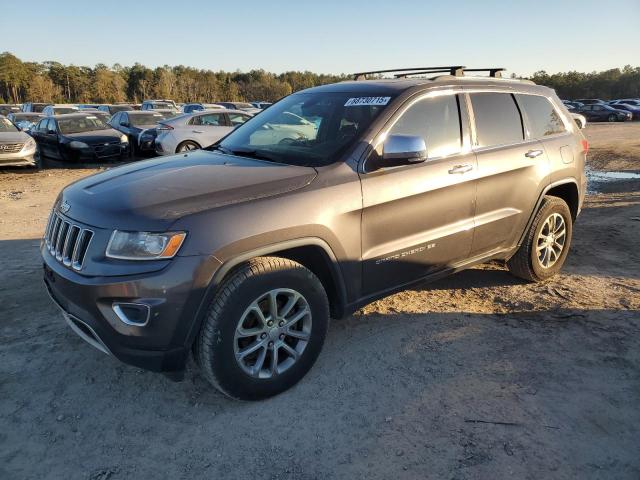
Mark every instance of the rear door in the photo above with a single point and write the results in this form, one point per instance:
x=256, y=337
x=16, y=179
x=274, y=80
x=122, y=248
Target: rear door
x=208, y=128
x=418, y=219
x=511, y=169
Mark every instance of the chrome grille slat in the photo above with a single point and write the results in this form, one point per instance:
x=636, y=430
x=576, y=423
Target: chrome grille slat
x=10, y=147
x=67, y=242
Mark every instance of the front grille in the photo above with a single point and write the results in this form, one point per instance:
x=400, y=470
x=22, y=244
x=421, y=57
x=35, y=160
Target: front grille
x=66, y=241
x=109, y=150
x=10, y=147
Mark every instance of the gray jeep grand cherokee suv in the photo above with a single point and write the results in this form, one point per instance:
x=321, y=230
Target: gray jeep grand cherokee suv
x=331, y=198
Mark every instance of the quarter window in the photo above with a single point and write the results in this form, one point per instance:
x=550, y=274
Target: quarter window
x=437, y=121
x=237, y=118
x=212, y=120
x=497, y=118
x=542, y=117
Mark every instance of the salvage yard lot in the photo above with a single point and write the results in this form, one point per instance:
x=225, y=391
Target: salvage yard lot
x=476, y=376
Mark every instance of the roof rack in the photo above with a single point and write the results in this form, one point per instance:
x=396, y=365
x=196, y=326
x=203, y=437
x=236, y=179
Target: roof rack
x=454, y=70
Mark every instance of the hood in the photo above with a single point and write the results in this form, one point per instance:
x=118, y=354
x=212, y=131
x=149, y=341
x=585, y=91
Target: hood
x=13, y=137
x=95, y=136
x=151, y=195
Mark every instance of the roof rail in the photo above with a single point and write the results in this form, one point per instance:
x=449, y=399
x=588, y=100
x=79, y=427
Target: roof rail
x=495, y=72
x=454, y=70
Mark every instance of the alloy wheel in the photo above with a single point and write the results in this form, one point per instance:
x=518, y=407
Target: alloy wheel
x=272, y=333
x=551, y=240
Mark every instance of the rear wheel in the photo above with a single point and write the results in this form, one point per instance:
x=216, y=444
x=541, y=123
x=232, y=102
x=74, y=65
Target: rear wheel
x=264, y=329
x=187, y=146
x=546, y=244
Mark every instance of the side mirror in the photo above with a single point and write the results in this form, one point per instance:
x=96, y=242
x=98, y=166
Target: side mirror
x=403, y=150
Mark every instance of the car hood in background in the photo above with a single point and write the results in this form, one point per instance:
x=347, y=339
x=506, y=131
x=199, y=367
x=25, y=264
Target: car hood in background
x=95, y=136
x=153, y=194
x=13, y=137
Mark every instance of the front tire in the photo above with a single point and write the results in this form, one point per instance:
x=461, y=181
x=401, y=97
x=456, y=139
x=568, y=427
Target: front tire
x=264, y=329
x=546, y=244
x=612, y=118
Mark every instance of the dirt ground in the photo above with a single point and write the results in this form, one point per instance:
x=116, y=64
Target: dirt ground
x=478, y=376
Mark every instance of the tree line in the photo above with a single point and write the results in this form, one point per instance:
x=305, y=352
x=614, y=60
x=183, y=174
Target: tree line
x=57, y=83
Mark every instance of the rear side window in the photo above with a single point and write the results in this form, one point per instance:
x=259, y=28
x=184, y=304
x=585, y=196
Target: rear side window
x=542, y=117
x=498, y=120
x=437, y=120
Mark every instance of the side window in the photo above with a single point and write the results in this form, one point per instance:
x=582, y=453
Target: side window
x=597, y=108
x=237, y=118
x=212, y=119
x=542, y=117
x=497, y=118
x=51, y=125
x=435, y=119
x=124, y=118
x=115, y=120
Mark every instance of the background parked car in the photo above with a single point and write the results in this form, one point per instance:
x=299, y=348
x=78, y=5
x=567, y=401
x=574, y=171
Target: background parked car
x=34, y=107
x=261, y=105
x=59, y=109
x=573, y=106
x=198, y=130
x=604, y=113
x=16, y=147
x=590, y=101
x=104, y=116
x=7, y=108
x=580, y=120
x=625, y=101
x=79, y=137
x=198, y=107
x=159, y=105
x=244, y=106
x=113, y=109
x=25, y=121
x=634, y=110
x=286, y=127
x=135, y=123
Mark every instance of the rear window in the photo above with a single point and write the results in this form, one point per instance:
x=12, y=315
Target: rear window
x=542, y=117
x=497, y=118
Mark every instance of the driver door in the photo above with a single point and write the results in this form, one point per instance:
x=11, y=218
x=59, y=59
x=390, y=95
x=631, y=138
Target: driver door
x=418, y=219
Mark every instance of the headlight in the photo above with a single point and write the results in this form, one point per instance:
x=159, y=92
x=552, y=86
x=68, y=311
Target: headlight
x=144, y=245
x=31, y=143
x=75, y=144
x=124, y=139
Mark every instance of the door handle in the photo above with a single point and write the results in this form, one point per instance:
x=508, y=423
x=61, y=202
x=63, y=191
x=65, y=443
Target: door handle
x=461, y=168
x=197, y=131
x=533, y=153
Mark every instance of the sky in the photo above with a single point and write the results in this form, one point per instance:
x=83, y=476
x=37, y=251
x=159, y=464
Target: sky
x=327, y=36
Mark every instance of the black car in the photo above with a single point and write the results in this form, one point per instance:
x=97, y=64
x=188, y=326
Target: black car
x=139, y=127
x=604, y=113
x=113, y=109
x=79, y=137
x=590, y=101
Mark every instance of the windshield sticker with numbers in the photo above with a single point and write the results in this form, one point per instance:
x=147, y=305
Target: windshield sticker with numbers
x=363, y=101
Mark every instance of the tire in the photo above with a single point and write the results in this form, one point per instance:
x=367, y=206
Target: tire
x=187, y=146
x=612, y=118
x=526, y=263
x=233, y=314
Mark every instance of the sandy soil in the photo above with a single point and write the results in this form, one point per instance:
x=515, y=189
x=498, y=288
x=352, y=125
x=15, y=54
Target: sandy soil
x=476, y=376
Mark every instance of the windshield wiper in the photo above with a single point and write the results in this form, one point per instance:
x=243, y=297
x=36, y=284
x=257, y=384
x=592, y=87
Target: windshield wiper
x=248, y=153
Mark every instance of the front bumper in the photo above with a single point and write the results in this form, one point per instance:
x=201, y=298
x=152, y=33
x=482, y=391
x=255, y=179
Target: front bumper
x=174, y=295
x=25, y=157
x=98, y=152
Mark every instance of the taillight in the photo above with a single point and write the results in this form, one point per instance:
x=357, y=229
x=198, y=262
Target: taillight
x=585, y=146
x=163, y=126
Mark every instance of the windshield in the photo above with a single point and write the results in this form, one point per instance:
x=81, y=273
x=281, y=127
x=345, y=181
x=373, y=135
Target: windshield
x=27, y=118
x=63, y=110
x=311, y=129
x=148, y=118
x=81, y=124
x=161, y=105
x=7, y=126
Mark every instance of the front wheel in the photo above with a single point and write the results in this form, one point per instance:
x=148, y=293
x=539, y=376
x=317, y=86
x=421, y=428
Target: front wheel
x=264, y=329
x=612, y=118
x=546, y=244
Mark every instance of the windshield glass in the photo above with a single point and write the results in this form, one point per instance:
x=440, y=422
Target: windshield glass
x=27, y=118
x=63, y=110
x=311, y=129
x=7, y=126
x=161, y=105
x=148, y=118
x=81, y=124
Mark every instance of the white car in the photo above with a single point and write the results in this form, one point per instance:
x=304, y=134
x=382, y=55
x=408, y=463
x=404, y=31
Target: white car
x=196, y=130
x=579, y=119
x=286, y=127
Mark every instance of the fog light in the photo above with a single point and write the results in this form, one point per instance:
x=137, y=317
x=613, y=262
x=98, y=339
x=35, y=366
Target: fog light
x=135, y=314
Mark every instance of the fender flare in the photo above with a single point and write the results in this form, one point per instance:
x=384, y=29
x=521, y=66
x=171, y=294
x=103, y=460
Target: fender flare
x=564, y=181
x=228, y=265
